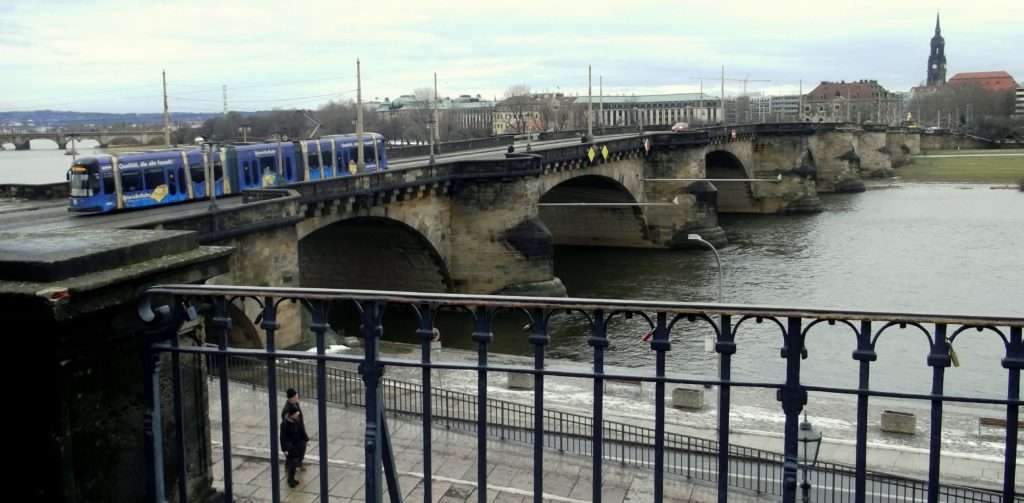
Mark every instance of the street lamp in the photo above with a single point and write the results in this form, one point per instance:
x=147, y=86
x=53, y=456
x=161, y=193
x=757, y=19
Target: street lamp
x=709, y=341
x=810, y=445
x=697, y=238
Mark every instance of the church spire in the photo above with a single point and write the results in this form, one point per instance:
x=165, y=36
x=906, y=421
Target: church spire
x=938, y=29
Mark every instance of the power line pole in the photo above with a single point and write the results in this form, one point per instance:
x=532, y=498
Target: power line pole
x=167, y=116
x=590, y=105
x=800, y=103
x=723, y=94
x=360, y=160
x=600, y=102
x=225, y=89
x=432, y=125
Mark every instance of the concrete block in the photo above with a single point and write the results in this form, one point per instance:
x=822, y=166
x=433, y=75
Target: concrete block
x=899, y=422
x=519, y=381
x=623, y=387
x=688, y=398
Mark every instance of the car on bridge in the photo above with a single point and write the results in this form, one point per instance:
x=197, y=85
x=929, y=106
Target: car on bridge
x=680, y=126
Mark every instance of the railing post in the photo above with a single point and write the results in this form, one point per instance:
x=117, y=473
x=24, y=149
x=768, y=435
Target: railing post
x=373, y=439
x=661, y=345
x=319, y=327
x=152, y=422
x=270, y=326
x=1013, y=362
x=539, y=339
x=179, y=421
x=221, y=326
x=726, y=347
x=426, y=335
x=938, y=360
x=482, y=335
x=865, y=354
x=599, y=341
x=793, y=398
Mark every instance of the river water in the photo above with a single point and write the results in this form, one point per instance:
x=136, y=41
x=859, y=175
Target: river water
x=902, y=247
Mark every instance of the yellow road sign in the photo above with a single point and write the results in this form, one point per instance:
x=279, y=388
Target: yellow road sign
x=604, y=152
x=591, y=154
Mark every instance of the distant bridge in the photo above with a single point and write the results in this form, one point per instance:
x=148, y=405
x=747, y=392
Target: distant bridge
x=22, y=141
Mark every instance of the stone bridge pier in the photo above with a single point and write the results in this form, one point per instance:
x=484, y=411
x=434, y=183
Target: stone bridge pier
x=784, y=170
x=838, y=160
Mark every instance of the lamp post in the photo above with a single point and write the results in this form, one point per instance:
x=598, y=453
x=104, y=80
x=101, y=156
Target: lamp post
x=809, y=438
x=709, y=342
x=74, y=151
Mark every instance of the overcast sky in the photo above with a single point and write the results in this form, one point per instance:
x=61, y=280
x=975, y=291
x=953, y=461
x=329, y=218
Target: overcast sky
x=107, y=55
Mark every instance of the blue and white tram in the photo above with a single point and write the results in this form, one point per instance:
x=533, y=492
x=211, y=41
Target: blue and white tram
x=107, y=182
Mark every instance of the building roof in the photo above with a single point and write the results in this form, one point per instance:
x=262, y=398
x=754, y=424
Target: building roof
x=861, y=89
x=648, y=98
x=993, y=81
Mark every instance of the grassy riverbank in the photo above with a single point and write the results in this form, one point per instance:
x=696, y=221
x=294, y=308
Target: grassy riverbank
x=977, y=166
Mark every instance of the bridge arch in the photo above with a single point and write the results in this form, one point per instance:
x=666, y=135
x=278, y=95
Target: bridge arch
x=369, y=252
x=124, y=140
x=83, y=143
x=733, y=197
x=615, y=219
x=42, y=144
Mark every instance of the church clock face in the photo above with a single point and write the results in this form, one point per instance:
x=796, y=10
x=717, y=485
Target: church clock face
x=935, y=67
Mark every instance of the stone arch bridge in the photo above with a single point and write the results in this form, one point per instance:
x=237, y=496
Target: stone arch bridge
x=22, y=141
x=489, y=226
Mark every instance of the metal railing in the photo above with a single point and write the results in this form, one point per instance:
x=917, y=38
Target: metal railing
x=667, y=453
x=756, y=470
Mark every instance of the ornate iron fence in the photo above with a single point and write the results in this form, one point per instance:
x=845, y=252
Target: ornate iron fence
x=718, y=461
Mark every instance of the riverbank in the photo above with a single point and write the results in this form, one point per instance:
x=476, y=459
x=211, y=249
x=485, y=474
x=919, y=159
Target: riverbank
x=972, y=166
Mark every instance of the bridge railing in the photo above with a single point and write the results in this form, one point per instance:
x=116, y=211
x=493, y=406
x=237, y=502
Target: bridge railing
x=728, y=466
x=693, y=458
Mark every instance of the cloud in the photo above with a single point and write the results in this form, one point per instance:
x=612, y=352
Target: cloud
x=108, y=55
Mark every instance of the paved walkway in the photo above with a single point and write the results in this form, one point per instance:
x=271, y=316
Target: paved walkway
x=567, y=478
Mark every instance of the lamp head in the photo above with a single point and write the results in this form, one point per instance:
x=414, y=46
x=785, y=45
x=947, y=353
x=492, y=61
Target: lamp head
x=694, y=237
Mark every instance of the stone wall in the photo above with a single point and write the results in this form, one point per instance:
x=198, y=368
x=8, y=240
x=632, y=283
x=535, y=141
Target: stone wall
x=837, y=159
x=697, y=211
x=901, y=146
x=503, y=247
x=950, y=141
x=875, y=159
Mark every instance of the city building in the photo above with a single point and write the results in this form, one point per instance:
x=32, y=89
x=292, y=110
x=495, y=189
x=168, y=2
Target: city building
x=464, y=112
x=860, y=101
x=656, y=109
x=785, y=107
x=1019, y=108
x=533, y=113
x=990, y=81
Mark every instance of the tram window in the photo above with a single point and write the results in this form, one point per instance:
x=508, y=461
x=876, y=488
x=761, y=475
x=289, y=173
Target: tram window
x=288, y=168
x=327, y=157
x=108, y=184
x=154, y=178
x=131, y=182
x=172, y=182
x=268, y=163
x=314, y=161
x=247, y=173
x=182, y=180
x=198, y=174
x=218, y=171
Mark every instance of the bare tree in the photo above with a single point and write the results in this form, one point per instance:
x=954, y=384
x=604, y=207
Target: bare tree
x=517, y=108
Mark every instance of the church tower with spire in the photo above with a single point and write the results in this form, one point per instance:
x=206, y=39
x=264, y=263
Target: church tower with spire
x=937, y=58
